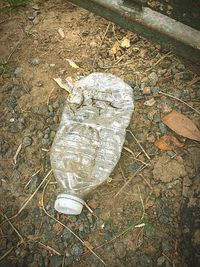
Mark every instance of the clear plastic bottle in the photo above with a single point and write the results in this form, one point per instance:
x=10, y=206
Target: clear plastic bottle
x=90, y=137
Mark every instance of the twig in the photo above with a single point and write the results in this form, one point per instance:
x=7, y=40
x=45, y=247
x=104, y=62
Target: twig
x=31, y=178
x=13, y=227
x=49, y=248
x=29, y=199
x=135, y=157
x=169, y=54
x=16, y=154
x=84, y=243
x=6, y=254
x=48, y=99
x=102, y=40
x=174, y=97
x=122, y=172
x=146, y=181
x=195, y=80
x=139, y=144
x=122, y=188
x=142, y=202
x=90, y=210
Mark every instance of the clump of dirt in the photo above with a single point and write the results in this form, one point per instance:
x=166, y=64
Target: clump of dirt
x=167, y=170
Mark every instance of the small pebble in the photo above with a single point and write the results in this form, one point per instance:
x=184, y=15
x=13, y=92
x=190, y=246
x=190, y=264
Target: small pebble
x=36, y=7
x=18, y=72
x=160, y=260
x=150, y=102
x=146, y=91
x=153, y=78
x=27, y=141
x=35, y=61
x=52, y=65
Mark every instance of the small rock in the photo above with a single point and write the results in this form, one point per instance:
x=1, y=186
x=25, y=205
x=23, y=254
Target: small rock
x=36, y=7
x=93, y=44
x=35, y=61
x=52, y=65
x=120, y=250
x=160, y=260
x=39, y=83
x=76, y=251
x=27, y=141
x=56, y=261
x=68, y=259
x=18, y=72
x=153, y=78
x=150, y=102
x=180, y=67
x=162, y=127
x=146, y=91
x=31, y=17
x=36, y=20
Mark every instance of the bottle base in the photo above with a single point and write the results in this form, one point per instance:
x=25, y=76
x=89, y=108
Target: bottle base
x=68, y=204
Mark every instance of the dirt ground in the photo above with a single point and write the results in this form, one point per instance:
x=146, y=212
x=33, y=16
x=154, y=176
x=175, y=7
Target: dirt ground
x=147, y=214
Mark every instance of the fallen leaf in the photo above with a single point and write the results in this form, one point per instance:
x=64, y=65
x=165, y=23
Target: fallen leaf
x=163, y=143
x=125, y=43
x=61, y=33
x=182, y=125
x=72, y=64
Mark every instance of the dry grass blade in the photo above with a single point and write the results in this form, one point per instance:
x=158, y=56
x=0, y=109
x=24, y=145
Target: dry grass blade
x=122, y=188
x=13, y=227
x=29, y=199
x=102, y=40
x=139, y=144
x=135, y=157
x=142, y=202
x=7, y=253
x=49, y=248
x=174, y=97
x=17, y=153
x=84, y=243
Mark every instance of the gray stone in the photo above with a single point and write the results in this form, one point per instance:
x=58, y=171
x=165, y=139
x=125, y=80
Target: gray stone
x=153, y=78
x=56, y=261
x=36, y=21
x=35, y=61
x=27, y=141
x=162, y=127
x=76, y=251
x=68, y=259
x=18, y=72
x=120, y=250
x=36, y=7
x=160, y=260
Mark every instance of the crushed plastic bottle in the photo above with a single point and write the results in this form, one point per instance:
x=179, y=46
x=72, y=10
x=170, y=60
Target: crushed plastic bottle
x=90, y=137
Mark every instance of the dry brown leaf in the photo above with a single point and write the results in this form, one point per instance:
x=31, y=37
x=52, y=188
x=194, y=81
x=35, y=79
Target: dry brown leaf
x=163, y=143
x=182, y=125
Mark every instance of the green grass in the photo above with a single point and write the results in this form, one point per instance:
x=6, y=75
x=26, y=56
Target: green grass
x=15, y=3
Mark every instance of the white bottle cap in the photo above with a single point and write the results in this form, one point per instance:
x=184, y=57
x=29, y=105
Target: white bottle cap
x=68, y=204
